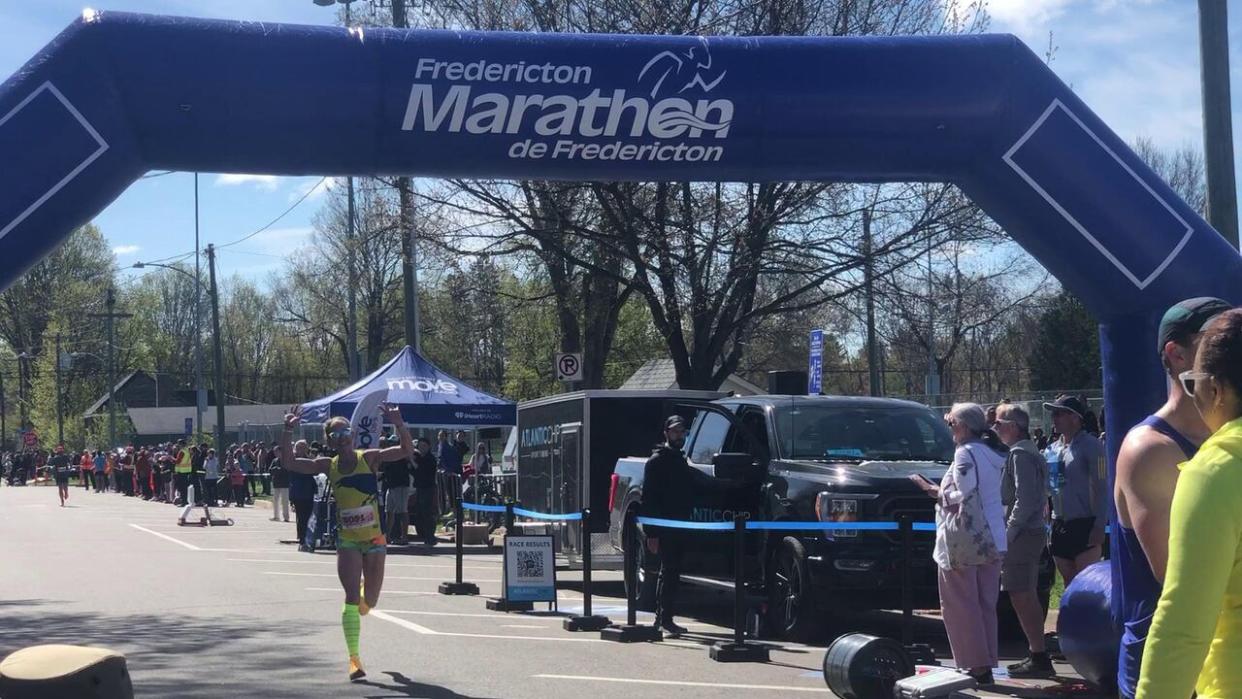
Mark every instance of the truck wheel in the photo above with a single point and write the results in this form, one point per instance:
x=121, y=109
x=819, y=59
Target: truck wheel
x=643, y=574
x=791, y=608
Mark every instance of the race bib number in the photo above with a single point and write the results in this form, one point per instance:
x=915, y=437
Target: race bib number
x=358, y=518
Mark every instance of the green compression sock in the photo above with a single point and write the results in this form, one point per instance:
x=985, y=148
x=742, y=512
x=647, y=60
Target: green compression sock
x=350, y=622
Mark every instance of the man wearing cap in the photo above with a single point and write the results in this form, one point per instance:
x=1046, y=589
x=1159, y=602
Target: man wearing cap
x=1080, y=494
x=182, y=472
x=668, y=480
x=1147, y=470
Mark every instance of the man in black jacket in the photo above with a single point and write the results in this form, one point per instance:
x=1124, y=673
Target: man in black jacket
x=667, y=481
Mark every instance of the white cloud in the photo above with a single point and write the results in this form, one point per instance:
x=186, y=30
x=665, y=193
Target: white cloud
x=328, y=185
x=1022, y=16
x=277, y=242
x=125, y=249
x=268, y=182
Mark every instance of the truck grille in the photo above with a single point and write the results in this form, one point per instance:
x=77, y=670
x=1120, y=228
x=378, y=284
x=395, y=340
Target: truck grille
x=919, y=508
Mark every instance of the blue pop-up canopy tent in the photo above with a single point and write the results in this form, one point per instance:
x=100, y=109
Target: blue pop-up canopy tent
x=427, y=394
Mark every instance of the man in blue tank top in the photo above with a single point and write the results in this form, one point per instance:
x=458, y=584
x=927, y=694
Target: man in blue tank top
x=1147, y=469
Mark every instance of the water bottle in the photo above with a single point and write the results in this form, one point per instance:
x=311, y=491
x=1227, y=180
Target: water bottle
x=1056, y=476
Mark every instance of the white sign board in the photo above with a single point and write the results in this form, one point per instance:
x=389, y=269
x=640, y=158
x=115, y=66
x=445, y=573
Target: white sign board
x=569, y=366
x=530, y=569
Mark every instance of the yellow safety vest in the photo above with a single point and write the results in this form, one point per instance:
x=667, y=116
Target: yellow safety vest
x=184, y=464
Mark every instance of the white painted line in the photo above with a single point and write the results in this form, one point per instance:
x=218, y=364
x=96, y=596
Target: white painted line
x=103, y=146
x=494, y=615
x=386, y=592
x=522, y=626
x=429, y=632
x=404, y=622
x=680, y=683
x=1008, y=158
x=386, y=577
x=332, y=561
x=192, y=547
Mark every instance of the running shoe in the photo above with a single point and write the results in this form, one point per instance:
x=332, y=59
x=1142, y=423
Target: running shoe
x=355, y=669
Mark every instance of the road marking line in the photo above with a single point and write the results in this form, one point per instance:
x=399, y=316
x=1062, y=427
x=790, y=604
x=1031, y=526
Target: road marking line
x=681, y=683
x=386, y=592
x=496, y=615
x=404, y=622
x=521, y=626
x=332, y=561
x=430, y=632
x=386, y=577
x=192, y=547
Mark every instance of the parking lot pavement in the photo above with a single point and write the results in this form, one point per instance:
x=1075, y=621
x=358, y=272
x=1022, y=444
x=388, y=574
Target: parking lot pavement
x=232, y=611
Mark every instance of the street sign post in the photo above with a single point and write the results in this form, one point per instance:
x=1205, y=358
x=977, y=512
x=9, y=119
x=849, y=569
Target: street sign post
x=569, y=366
x=815, y=373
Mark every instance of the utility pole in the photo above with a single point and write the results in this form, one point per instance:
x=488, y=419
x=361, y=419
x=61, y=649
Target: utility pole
x=200, y=393
x=217, y=349
x=933, y=376
x=409, y=251
x=1217, y=114
x=873, y=352
x=60, y=416
x=351, y=295
x=110, y=320
x=4, y=414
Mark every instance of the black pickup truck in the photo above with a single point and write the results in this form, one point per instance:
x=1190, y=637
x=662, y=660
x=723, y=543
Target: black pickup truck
x=819, y=458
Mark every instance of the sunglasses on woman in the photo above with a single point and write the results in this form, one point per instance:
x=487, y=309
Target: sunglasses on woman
x=340, y=432
x=1190, y=378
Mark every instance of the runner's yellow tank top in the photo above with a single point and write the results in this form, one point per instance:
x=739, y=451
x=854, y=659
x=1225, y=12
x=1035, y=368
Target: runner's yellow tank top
x=357, y=503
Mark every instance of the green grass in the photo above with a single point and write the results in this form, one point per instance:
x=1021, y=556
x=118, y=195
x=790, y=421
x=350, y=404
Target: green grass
x=1058, y=589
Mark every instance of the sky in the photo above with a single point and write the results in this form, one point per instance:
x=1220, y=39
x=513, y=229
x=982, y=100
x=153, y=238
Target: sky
x=1135, y=62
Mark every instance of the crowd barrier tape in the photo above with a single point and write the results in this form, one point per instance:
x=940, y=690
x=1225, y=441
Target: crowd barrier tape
x=567, y=517
x=520, y=512
x=482, y=508
x=787, y=526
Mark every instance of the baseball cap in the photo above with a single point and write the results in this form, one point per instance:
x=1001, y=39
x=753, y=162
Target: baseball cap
x=1188, y=317
x=1071, y=403
x=674, y=421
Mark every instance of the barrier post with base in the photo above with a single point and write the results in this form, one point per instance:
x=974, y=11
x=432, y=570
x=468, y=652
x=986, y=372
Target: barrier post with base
x=631, y=631
x=503, y=603
x=586, y=621
x=459, y=587
x=739, y=651
x=922, y=653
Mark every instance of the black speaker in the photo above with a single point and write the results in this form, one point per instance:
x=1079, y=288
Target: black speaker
x=787, y=383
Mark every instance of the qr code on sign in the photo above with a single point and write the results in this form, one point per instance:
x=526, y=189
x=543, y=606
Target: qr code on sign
x=529, y=564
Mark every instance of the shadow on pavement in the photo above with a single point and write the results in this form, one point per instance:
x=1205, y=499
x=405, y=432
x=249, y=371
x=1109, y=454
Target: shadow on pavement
x=406, y=687
x=176, y=655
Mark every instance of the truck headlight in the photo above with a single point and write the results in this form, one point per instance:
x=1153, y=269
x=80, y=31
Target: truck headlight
x=831, y=507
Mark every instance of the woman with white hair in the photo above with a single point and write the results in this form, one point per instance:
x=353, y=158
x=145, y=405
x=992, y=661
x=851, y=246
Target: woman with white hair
x=970, y=540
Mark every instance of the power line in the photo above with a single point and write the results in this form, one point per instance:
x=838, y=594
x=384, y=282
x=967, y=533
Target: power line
x=273, y=222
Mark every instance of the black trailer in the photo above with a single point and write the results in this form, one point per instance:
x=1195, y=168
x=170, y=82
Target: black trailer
x=567, y=446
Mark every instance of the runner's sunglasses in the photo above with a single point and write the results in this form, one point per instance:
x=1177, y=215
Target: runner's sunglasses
x=1190, y=378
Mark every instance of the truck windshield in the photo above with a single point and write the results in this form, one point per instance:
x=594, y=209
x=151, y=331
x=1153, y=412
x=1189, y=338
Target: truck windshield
x=850, y=433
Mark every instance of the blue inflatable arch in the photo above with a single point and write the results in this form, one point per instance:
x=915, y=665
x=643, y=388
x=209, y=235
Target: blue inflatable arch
x=116, y=95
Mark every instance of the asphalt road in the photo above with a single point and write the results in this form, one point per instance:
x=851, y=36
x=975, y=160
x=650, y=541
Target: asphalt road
x=234, y=612
x=239, y=612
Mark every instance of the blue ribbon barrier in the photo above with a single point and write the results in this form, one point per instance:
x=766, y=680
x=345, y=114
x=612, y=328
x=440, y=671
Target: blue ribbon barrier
x=567, y=517
x=682, y=524
x=786, y=526
x=482, y=508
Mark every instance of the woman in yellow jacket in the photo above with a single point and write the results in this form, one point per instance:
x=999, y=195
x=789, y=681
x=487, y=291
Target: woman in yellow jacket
x=1195, y=643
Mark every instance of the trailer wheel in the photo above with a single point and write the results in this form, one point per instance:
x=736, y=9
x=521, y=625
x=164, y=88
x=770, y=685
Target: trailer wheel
x=645, y=573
